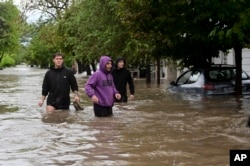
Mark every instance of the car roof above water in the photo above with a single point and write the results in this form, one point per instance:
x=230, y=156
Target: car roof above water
x=215, y=66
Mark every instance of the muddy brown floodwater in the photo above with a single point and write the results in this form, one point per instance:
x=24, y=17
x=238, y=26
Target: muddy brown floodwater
x=155, y=128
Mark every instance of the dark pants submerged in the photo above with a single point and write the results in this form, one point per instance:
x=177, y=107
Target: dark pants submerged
x=58, y=104
x=59, y=107
x=101, y=111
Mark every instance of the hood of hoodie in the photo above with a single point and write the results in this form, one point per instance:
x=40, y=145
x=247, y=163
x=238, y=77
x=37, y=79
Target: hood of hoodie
x=103, y=61
x=118, y=60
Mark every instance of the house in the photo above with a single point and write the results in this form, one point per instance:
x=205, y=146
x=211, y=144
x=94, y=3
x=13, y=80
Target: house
x=229, y=59
x=172, y=73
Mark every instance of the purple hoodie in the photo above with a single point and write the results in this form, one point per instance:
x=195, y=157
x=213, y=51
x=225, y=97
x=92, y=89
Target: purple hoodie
x=101, y=84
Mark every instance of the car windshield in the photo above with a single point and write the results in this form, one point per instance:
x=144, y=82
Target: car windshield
x=189, y=77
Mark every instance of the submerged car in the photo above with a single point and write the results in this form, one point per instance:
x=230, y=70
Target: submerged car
x=215, y=80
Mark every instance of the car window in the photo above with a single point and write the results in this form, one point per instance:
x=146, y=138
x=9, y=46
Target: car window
x=244, y=75
x=218, y=75
x=189, y=77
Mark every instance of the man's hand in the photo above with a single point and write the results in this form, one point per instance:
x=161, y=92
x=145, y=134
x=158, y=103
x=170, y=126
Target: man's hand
x=94, y=99
x=118, y=96
x=131, y=97
x=40, y=103
x=77, y=99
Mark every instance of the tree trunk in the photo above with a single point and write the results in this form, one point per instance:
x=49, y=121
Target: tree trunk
x=158, y=75
x=88, y=70
x=148, y=72
x=80, y=66
x=93, y=65
x=1, y=56
x=238, y=61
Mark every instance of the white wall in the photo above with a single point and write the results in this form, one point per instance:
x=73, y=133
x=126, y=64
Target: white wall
x=172, y=73
x=246, y=60
x=229, y=59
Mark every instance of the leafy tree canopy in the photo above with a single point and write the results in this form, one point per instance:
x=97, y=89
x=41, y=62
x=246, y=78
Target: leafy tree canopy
x=9, y=32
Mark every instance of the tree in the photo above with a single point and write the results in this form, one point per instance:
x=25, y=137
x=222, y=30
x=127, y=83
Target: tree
x=148, y=23
x=9, y=32
x=204, y=28
x=45, y=42
x=52, y=10
x=133, y=15
x=232, y=30
x=90, y=29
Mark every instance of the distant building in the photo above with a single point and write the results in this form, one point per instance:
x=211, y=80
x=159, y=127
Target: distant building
x=171, y=72
x=229, y=59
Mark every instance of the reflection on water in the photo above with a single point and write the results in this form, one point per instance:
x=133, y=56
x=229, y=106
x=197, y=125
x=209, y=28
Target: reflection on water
x=154, y=129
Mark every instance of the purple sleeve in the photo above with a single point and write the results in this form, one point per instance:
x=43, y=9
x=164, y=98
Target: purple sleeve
x=90, y=85
x=115, y=90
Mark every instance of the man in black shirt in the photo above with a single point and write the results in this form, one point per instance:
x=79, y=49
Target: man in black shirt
x=122, y=77
x=56, y=84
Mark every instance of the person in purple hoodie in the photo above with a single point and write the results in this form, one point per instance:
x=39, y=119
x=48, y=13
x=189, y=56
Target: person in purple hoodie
x=101, y=89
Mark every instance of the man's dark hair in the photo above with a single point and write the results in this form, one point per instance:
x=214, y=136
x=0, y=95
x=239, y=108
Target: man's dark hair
x=57, y=54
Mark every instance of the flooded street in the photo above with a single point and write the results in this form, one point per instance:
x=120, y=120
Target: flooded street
x=154, y=129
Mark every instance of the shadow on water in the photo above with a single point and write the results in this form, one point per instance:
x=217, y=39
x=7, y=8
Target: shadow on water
x=5, y=109
x=240, y=103
x=57, y=117
x=156, y=128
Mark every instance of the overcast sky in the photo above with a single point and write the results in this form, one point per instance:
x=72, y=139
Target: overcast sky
x=32, y=16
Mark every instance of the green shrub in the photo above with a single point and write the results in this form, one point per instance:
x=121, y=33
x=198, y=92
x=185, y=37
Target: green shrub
x=7, y=61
